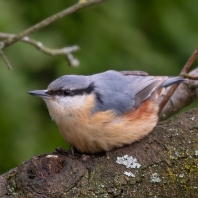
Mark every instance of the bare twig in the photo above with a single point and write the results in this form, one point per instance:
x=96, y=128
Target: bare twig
x=185, y=75
x=184, y=71
x=66, y=51
x=184, y=95
x=78, y=6
x=71, y=60
x=12, y=38
x=5, y=60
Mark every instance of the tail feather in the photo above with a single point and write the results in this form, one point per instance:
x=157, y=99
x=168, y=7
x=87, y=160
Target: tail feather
x=171, y=81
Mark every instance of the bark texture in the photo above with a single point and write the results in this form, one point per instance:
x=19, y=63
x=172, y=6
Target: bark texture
x=163, y=164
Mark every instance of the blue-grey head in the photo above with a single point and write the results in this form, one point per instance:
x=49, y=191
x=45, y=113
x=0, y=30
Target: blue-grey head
x=109, y=90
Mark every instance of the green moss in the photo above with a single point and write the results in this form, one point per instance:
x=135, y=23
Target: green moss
x=171, y=175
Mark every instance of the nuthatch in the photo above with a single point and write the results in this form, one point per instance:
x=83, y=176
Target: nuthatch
x=106, y=110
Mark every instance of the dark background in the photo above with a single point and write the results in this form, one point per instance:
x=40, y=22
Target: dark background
x=154, y=36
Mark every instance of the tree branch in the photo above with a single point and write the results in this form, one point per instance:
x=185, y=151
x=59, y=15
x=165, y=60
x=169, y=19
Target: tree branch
x=184, y=71
x=184, y=95
x=5, y=60
x=185, y=75
x=78, y=6
x=163, y=164
x=66, y=51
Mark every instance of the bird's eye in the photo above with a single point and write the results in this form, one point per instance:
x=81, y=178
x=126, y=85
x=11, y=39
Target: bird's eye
x=67, y=92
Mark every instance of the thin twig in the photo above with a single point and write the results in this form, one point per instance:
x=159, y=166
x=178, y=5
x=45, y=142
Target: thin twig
x=5, y=60
x=184, y=71
x=71, y=60
x=185, y=75
x=78, y=6
x=66, y=51
x=49, y=51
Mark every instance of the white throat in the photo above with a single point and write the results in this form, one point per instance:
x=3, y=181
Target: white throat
x=59, y=107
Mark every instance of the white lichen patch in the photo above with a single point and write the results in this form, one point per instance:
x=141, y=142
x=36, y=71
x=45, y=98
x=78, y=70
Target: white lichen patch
x=177, y=154
x=193, y=118
x=128, y=161
x=181, y=175
x=129, y=174
x=196, y=153
x=172, y=129
x=154, y=178
x=52, y=156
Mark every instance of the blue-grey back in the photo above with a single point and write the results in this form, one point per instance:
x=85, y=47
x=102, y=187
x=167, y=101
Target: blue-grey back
x=122, y=92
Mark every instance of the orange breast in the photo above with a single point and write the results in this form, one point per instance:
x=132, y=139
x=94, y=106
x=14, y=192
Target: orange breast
x=105, y=131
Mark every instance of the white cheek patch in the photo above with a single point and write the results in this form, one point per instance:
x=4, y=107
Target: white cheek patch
x=71, y=101
x=59, y=107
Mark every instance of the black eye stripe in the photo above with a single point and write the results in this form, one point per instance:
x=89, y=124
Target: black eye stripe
x=68, y=92
x=60, y=92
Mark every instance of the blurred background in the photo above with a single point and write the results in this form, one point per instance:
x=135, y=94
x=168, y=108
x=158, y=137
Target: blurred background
x=153, y=36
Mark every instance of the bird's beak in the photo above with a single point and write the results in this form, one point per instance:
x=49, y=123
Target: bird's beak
x=40, y=93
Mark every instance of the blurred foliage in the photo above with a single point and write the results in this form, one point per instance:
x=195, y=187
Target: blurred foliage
x=153, y=36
